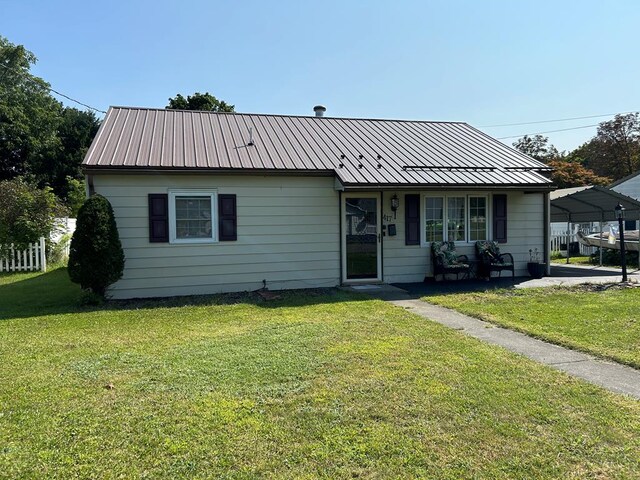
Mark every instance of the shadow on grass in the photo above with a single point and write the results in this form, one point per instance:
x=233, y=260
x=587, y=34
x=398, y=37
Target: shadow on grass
x=52, y=293
x=425, y=289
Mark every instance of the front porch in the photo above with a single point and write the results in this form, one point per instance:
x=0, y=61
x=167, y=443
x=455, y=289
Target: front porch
x=561, y=275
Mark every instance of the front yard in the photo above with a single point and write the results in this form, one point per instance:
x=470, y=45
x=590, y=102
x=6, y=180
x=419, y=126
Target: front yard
x=601, y=321
x=312, y=385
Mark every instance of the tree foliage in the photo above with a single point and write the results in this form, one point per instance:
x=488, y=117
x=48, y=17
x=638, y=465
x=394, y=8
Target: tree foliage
x=39, y=137
x=568, y=169
x=76, y=195
x=199, y=101
x=537, y=147
x=28, y=113
x=615, y=150
x=573, y=174
x=76, y=129
x=96, y=258
x=26, y=212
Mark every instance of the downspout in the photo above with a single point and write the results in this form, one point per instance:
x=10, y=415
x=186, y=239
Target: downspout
x=547, y=231
x=381, y=236
x=89, y=188
x=340, y=237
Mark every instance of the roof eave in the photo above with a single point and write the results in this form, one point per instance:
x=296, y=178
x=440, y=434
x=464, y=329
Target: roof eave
x=133, y=169
x=543, y=188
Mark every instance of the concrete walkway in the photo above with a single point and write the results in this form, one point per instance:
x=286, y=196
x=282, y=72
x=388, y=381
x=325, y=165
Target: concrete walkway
x=567, y=275
x=612, y=376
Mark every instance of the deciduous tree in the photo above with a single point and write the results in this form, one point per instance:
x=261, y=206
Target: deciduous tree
x=199, y=101
x=537, y=147
x=29, y=115
x=75, y=132
x=573, y=174
x=615, y=150
x=26, y=212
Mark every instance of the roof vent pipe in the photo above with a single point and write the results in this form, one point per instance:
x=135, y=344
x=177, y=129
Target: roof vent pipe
x=319, y=109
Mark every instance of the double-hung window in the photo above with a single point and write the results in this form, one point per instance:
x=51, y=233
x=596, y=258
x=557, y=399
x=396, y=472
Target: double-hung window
x=478, y=221
x=455, y=218
x=192, y=216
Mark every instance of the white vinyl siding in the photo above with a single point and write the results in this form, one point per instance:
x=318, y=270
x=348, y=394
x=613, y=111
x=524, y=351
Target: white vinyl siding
x=288, y=236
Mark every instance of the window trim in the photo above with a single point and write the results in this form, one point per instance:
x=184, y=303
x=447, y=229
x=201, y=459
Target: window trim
x=213, y=196
x=467, y=229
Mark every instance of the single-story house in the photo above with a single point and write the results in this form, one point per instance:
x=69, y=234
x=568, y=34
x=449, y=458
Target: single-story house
x=221, y=202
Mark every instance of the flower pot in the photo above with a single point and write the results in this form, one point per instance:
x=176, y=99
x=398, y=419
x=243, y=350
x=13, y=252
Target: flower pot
x=536, y=269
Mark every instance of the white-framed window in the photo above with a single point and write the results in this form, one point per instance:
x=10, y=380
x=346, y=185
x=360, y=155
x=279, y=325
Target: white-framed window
x=478, y=218
x=193, y=216
x=434, y=219
x=456, y=218
x=456, y=214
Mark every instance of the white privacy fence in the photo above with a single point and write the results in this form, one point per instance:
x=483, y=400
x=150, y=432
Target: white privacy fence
x=31, y=259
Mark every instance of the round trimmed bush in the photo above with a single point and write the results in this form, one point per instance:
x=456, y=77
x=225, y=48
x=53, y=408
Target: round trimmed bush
x=96, y=259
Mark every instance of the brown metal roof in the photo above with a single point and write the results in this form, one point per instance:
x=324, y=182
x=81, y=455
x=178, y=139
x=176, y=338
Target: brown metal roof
x=358, y=151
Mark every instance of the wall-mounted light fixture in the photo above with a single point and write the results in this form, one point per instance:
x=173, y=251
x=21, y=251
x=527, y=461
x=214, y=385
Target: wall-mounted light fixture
x=395, y=203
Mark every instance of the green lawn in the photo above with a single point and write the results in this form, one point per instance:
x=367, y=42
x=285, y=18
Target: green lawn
x=605, y=323
x=579, y=260
x=327, y=385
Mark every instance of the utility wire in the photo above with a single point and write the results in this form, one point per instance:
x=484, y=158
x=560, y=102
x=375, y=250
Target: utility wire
x=548, y=131
x=57, y=92
x=556, y=120
x=78, y=102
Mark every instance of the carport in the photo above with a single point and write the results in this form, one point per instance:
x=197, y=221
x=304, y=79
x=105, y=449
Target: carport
x=590, y=204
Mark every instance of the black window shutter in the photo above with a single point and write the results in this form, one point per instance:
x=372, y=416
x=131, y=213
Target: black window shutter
x=158, y=217
x=227, y=217
x=412, y=219
x=500, y=218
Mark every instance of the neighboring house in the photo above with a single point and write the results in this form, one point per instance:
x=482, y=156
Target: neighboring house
x=629, y=186
x=219, y=202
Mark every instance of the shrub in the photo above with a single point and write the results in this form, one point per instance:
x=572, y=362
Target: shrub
x=56, y=253
x=26, y=212
x=96, y=259
x=614, y=258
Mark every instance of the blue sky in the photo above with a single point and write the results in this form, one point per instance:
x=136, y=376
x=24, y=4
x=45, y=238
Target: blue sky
x=485, y=63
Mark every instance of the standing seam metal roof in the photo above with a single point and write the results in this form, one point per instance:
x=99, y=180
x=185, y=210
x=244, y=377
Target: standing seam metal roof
x=358, y=151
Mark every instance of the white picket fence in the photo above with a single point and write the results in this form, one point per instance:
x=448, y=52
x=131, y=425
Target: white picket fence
x=33, y=258
x=565, y=240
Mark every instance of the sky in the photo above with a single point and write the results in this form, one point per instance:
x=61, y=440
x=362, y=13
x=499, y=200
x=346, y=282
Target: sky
x=481, y=62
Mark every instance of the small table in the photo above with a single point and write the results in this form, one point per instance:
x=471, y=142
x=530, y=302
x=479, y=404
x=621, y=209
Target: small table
x=474, y=268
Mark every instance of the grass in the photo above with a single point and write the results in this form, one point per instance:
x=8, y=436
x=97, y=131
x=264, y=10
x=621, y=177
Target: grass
x=578, y=260
x=329, y=385
x=603, y=322
x=609, y=260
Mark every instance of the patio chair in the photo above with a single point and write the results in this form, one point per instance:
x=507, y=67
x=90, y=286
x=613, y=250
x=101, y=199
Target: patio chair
x=491, y=260
x=445, y=260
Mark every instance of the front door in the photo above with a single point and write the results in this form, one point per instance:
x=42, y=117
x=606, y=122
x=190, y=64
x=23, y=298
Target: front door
x=361, y=259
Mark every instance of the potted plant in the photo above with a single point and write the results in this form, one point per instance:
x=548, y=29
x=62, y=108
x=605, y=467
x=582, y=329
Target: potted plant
x=535, y=266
